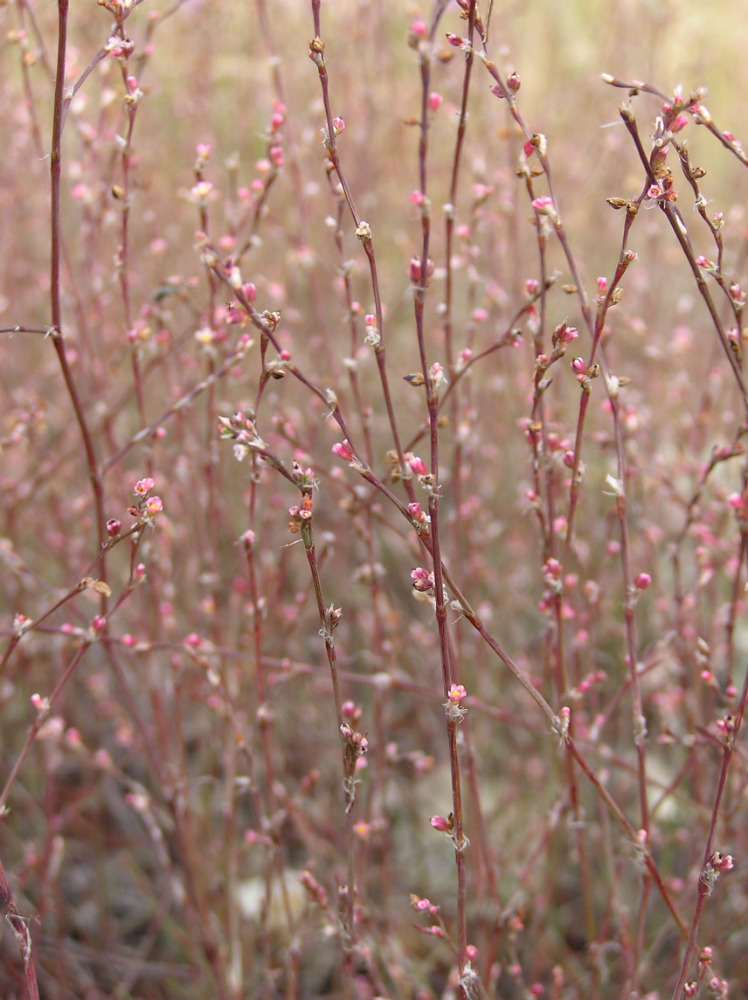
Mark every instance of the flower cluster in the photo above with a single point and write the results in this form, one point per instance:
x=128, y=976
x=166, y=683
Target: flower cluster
x=240, y=429
x=715, y=866
x=147, y=506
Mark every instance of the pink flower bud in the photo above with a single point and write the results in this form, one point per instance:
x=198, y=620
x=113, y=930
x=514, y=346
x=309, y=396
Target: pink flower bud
x=343, y=450
x=678, y=123
x=543, y=204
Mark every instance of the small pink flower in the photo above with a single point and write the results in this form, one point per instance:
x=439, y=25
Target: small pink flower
x=456, y=693
x=435, y=101
x=143, y=486
x=442, y=824
x=436, y=374
x=351, y=711
x=343, y=450
x=642, y=581
x=564, y=335
x=721, y=862
x=417, y=198
x=415, y=271
x=552, y=569
x=544, y=205
x=154, y=505
x=423, y=581
x=418, y=466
